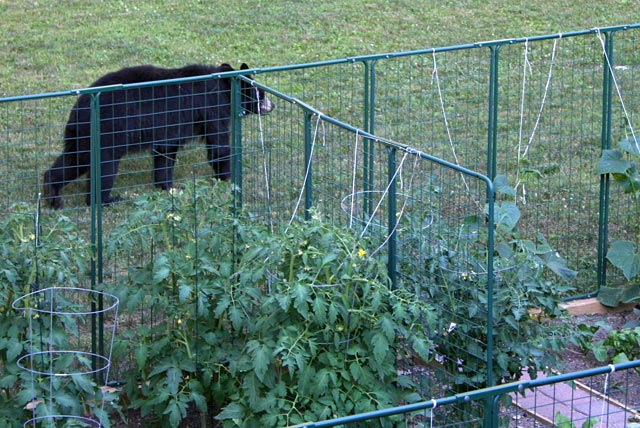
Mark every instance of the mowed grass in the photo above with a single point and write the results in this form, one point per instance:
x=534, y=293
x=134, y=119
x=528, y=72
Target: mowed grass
x=51, y=45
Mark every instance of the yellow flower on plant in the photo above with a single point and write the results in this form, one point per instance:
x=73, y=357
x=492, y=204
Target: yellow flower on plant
x=362, y=252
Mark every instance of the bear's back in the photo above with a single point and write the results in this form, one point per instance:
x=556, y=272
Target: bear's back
x=150, y=73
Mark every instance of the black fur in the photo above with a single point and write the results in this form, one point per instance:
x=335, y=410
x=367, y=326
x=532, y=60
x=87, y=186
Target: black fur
x=158, y=118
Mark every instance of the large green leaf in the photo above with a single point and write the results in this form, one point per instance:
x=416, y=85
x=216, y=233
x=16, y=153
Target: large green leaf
x=261, y=357
x=559, y=266
x=380, y=347
x=614, y=296
x=161, y=269
x=174, y=377
x=613, y=162
x=623, y=171
x=141, y=355
x=232, y=411
x=507, y=216
x=501, y=185
x=623, y=255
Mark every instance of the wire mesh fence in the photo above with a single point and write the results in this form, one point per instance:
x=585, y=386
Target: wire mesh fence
x=537, y=110
x=599, y=397
x=535, y=113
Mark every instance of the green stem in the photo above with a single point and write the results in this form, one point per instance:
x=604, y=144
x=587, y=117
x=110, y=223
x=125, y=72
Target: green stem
x=291, y=267
x=185, y=342
x=636, y=203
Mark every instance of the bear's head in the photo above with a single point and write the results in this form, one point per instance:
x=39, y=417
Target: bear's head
x=254, y=99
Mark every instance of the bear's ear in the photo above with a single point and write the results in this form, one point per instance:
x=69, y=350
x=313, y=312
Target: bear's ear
x=244, y=66
x=225, y=67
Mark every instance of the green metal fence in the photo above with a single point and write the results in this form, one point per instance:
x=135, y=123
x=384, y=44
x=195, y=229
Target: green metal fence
x=595, y=397
x=413, y=205
x=537, y=111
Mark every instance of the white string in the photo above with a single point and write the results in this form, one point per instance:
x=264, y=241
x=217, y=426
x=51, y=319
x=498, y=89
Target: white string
x=526, y=65
x=308, y=171
x=435, y=404
x=615, y=82
x=264, y=166
x=404, y=204
x=544, y=96
x=353, y=181
x=606, y=393
x=384, y=194
x=434, y=75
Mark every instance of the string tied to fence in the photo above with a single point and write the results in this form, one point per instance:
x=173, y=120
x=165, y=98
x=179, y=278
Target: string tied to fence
x=398, y=172
x=435, y=404
x=612, y=369
x=544, y=95
x=267, y=185
x=435, y=76
x=522, y=153
x=308, y=168
x=353, y=179
x=618, y=92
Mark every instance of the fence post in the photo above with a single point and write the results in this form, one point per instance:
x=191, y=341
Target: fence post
x=603, y=215
x=368, y=94
x=97, y=322
x=392, y=219
x=308, y=161
x=369, y=145
x=492, y=126
x=490, y=217
x=236, y=142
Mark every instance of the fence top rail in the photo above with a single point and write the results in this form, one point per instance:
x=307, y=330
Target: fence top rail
x=122, y=86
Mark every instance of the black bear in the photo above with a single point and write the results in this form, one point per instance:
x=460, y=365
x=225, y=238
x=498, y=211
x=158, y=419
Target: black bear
x=161, y=118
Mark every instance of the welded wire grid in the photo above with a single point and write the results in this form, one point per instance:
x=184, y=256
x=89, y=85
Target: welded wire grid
x=549, y=141
x=30, y=131
x=599, y=398
x=436, y=102
x=603, y=400
x=623, y=65
x=337, y=88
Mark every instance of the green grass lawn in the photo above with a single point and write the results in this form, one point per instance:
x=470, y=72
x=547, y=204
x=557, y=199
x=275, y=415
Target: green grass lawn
x=51, y=45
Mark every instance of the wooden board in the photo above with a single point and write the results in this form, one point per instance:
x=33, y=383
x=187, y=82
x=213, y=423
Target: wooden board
x=592, y=306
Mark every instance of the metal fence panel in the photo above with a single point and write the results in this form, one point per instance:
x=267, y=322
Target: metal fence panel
x=416, y=208
x=578, y=399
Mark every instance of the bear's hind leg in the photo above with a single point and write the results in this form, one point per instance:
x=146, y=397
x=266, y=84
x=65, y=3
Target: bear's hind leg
x=163, y=163
x=66, y=168
x=110, y=159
